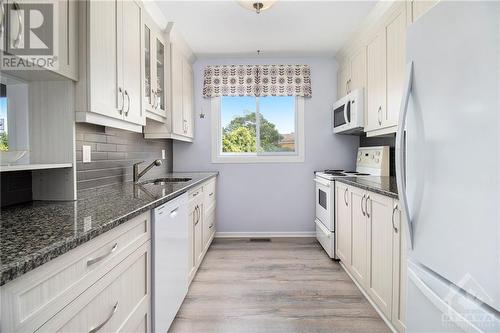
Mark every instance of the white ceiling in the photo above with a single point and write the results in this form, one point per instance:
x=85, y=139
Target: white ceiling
x=289, y=28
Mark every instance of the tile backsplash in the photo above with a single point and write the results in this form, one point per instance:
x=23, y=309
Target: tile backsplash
x=113, y=152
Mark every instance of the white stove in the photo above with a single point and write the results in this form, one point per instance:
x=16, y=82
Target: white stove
x=370, y=162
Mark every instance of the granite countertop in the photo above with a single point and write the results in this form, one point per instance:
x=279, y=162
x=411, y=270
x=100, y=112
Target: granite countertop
x=34, y=233
x=382, y=185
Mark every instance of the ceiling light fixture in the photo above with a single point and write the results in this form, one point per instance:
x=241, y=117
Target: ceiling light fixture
x=256, y=6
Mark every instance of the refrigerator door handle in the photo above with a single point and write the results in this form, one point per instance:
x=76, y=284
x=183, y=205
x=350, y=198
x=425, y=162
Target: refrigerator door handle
x=400, y=153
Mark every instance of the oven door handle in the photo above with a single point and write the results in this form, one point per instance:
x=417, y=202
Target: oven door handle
x=321, y=182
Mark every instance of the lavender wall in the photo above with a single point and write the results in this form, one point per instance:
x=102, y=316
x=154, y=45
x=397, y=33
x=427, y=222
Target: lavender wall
x=271, y=197
x=114, y=152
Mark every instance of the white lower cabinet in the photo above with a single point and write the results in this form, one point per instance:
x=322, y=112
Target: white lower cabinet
x=29, y=301
x=371, y=244
x=359, y=249
x=201, y=224
x=119, y=302
x=399, y=268
x=378, y=212
x=343, y=226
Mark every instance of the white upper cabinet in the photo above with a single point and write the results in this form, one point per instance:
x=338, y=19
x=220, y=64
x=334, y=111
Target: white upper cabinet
x=65, y=22
x=155, y=71
x=396, y=45
x=109, y=91
x=376, y=80
x=358, y=70
x=376, y=59
x=352, y=74
x=182, y=95
x=343, y=76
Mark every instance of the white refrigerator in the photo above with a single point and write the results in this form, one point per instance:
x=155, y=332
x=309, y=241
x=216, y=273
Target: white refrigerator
x=448, y=165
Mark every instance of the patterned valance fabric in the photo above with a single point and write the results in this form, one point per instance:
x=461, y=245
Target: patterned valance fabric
x=257, y=80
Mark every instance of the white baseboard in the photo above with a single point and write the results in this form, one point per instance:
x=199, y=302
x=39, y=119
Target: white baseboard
x=264, y=234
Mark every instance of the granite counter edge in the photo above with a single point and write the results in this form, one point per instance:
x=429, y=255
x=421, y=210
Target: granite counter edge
x=368, y=188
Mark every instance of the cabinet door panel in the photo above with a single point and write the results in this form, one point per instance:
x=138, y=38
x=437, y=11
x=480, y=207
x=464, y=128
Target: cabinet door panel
x=110, y=302
x=342, y=78
x=399, y=270
x=103, y=31
x=359, y=254
x=358, y=70
x=191, y=252
x=176, y=72
x=396, y=36
x=379, y=209
x=131, y=66
x=198, y=235
x=148, y=68
x=376, y=89
x=187, y=97
x=343, y=223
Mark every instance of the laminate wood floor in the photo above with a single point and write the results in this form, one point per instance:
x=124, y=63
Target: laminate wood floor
x=286, y=285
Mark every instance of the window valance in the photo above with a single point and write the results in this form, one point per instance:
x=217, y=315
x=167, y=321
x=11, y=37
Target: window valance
x=257, y=80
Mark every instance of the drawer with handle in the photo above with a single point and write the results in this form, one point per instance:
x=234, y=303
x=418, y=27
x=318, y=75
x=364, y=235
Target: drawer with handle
x=120, y=296
x=209, y=190
x=195, y=194
x=208, y=226
x=30, y=300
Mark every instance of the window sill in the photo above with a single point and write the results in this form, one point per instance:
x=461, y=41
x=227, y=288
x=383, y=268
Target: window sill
x=258, y=159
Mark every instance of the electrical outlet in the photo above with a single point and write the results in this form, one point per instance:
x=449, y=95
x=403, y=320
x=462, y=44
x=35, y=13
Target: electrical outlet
x=163, y=154
x=86, y=154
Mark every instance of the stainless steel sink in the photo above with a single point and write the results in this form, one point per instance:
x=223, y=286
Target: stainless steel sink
x=163, y=181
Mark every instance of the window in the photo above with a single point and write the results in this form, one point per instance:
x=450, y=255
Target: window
x=248, y=129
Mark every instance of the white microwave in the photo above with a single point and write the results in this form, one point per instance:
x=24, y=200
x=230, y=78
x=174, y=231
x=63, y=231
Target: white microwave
x=348, y=113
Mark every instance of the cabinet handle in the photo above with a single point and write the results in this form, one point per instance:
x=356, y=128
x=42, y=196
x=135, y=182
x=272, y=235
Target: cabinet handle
x=17, y=8
x=345, y=194
x=366, y=205
x=362, y=210
x=212, y=193
x=379, y=113
x=173, y=212
x=91, y=262
x=101, y=325
x=128, y=102
x=392, y=218
x=120, y=90
x=197, y=211
x=210, y=226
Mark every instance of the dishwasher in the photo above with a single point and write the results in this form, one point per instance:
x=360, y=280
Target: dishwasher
x=169, y=262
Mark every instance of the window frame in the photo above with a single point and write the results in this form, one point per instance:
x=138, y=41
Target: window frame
x=259, y=157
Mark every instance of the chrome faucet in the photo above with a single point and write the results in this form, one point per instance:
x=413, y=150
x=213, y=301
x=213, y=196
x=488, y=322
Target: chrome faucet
x=138, y=175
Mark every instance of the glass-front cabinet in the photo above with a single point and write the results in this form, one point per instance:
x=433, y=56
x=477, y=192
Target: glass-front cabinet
x=154, y=73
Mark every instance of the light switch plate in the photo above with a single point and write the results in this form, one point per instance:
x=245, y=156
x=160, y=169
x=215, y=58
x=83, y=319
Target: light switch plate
x=86, y=154
x=163, y=154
